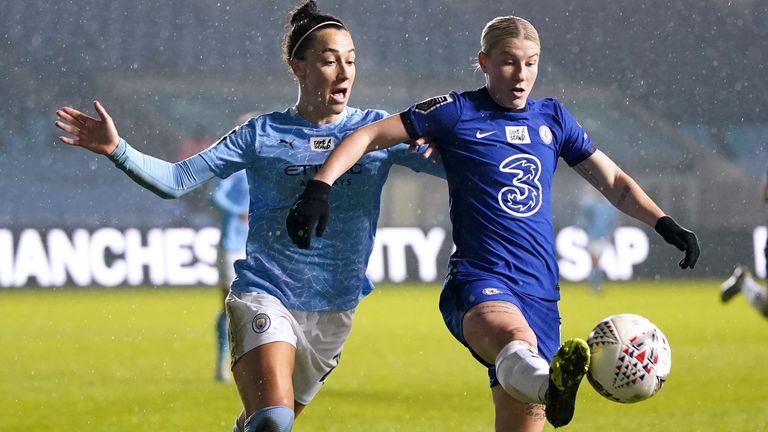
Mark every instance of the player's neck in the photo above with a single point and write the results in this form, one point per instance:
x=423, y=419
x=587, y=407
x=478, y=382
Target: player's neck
x=316, y=114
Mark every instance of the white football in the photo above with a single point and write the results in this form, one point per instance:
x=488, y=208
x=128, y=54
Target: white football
x=630, y=358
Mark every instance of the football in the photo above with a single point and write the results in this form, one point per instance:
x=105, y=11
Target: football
x=630, y=358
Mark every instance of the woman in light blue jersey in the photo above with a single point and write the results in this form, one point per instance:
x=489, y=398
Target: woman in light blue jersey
x=289, y=310
x=500, y=150
x=598, y=218
x=230, y=198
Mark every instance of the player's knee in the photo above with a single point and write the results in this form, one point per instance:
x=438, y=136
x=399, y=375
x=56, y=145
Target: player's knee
x=270, y=419
x=522, y=372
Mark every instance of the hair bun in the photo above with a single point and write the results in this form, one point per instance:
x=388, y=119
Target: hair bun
x=304, y=12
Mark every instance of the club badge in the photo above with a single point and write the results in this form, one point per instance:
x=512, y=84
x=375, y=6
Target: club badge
x=261, y=323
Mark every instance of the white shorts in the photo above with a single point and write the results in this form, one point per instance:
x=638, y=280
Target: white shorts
x=257, y=319
x=225, y=263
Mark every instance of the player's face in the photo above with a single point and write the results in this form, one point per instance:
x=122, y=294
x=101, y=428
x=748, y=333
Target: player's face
x=326, y=75
x=510, y=71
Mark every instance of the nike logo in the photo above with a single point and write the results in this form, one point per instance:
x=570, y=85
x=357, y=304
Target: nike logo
x=479, y=134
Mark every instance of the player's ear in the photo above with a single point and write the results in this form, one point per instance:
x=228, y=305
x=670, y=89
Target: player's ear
x=482, y=57
x=298, y=67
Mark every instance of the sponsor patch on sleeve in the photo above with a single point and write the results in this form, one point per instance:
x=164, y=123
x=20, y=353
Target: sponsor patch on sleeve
x=430, y=104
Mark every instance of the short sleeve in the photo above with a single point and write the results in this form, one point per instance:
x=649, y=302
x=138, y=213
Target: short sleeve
x=576, y=145
x=432, y=116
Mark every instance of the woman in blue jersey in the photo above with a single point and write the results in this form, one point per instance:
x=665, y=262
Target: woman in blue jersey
x=500, y=149
x=289, y=310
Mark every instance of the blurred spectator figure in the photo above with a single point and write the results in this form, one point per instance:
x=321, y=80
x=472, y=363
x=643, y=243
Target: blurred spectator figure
x=198, y=211
x=194, y=144
x=230, y=198
x=598, y=218
x=742, y=281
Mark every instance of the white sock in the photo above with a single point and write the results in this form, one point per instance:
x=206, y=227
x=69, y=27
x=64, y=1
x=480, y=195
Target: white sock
x=755, y=293
x=522, y=372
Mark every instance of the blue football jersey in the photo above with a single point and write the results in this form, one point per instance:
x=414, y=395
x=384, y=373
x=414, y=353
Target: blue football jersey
x=231, y=200
x=499, y=165
x=281, y=152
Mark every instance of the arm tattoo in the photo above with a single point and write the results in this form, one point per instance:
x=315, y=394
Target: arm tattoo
x=623, y=197
x=587, y=174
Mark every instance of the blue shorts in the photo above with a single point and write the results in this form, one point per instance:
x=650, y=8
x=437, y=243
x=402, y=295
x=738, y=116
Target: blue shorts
x=543, y=316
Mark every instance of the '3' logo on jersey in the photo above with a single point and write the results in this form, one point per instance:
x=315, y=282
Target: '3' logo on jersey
x=522, y=197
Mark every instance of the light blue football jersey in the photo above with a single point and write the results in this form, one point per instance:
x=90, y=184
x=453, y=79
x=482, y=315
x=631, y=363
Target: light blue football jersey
x=500, y=164
x=230, y=197
x=280, y=153
x=597, y=217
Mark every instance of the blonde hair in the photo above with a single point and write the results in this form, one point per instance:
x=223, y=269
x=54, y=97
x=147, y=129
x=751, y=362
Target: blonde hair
x=243, y=118
x=507, y=27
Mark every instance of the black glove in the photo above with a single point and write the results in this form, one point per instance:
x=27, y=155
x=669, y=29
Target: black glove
x=680, y=238
x=310, y=209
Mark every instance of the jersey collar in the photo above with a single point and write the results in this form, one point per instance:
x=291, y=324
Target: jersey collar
x=294, y=113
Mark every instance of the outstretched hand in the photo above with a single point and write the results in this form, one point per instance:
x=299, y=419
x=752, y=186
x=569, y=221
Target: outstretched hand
x=309, y=213
x=98, y=135
x=681, y=238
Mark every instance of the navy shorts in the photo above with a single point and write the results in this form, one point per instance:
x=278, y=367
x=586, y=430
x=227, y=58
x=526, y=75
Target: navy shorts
x=542, y=315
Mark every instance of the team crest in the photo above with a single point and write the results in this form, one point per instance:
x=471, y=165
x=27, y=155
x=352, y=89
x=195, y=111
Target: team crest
x=518, y=135
x=430, y=104
x=261, y=323
x=545, y=134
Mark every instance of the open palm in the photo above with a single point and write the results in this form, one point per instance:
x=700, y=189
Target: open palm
x=98, y=135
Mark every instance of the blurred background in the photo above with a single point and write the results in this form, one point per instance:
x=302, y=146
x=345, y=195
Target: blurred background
x=675, y=92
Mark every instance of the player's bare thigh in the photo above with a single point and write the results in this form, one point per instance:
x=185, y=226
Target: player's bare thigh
x=515, y=416
x=246, y=387
x=490, y=326
x=264, y=376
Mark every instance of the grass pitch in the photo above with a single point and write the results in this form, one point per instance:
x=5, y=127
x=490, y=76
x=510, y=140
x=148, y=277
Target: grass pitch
x=142, y=360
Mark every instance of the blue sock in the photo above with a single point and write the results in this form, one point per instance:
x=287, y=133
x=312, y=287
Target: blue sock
x=221, y=336
x=270, y=419
x=596, y=279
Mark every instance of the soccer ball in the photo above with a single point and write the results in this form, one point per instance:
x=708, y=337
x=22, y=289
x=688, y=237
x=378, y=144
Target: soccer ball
x=630, y=358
